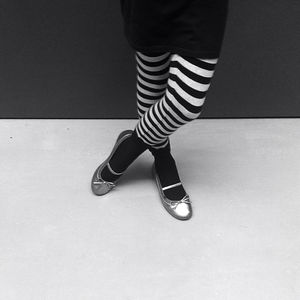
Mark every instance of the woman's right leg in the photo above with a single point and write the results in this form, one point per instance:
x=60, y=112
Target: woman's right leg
x=152, y=78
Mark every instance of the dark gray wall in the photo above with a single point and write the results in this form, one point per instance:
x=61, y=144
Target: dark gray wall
x=70, y=59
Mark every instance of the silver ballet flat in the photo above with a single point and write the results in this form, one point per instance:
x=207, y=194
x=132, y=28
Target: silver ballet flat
x=99, y=185
x=179, y=209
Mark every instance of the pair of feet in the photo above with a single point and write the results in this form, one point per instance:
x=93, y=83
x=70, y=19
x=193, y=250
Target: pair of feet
x=126, y=149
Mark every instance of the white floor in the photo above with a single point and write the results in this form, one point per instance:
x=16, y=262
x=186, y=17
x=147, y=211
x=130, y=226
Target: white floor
x=59, y=241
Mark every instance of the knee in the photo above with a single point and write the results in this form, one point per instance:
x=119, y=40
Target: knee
x=193, y=115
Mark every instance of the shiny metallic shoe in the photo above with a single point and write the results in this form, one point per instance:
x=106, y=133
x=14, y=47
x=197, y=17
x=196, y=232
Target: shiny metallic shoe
x=179, y=209
x=100, y=186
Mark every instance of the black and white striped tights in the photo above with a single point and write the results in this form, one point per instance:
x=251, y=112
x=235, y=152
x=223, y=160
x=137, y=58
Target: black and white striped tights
x=171, y=91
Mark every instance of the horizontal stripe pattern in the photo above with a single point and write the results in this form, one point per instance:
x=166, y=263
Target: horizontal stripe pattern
x=152, y=78
x=171, y=91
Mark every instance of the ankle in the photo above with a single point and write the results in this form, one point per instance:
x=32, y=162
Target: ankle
x=161, y=152
x=138, y=141
x=167, y=172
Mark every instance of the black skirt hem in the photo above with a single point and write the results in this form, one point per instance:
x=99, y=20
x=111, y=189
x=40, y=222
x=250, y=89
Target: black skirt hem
x=172, y=49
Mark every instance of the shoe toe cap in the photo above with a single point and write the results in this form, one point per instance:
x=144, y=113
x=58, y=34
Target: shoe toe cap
x=183, y=210
x=100, y=188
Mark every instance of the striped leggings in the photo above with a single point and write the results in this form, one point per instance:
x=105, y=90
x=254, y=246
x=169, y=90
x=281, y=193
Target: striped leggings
x=171, y=90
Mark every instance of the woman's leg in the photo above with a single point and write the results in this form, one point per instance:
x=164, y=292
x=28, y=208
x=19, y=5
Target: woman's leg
x=152, y=77
x=187, y=86
x=188, y=83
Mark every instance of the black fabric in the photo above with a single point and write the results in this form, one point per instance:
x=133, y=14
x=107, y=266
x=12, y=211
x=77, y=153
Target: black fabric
x=125, y=154
x=187, y=27
x=166, y=170
x=160, y=151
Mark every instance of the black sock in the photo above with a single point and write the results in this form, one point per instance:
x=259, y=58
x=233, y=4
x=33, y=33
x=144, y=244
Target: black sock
x=124, y=155
x=166, y=170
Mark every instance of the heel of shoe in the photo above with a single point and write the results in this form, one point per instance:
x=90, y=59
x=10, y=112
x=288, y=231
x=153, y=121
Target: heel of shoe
x=122, y=136
x=124, y=133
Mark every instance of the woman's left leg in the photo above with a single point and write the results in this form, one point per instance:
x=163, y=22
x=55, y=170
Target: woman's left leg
x=187, y=87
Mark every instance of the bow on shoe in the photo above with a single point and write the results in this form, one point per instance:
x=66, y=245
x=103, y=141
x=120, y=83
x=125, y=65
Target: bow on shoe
x=100, y=180
x=109, y=184
x=175, y=203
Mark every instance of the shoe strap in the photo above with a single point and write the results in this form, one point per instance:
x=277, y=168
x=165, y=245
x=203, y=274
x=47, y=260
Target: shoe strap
x=171, y=186
x=112, y=171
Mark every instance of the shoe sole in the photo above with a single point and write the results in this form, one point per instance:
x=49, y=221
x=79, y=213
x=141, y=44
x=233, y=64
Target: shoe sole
x=162, y=196
x=122, y=136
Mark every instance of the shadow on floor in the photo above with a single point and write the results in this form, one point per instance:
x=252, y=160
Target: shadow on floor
x=140, y=170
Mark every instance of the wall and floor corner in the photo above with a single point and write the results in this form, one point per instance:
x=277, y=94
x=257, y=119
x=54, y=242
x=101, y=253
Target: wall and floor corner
x=70, y=59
